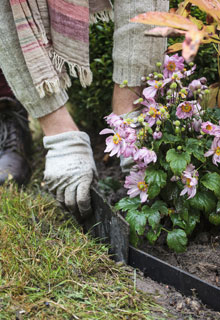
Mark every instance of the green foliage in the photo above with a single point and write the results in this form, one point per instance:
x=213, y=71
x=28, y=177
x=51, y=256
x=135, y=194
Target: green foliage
x=177, y=240
x=178, y=160
x=156, y=180
x=91, y=104
x=212, y=182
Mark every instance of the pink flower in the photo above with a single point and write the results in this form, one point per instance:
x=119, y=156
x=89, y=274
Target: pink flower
x=195, y=85
x=155, y=85
x=152, y=112
x=215, y=151
x=145, y=155
x=190, y=180
x=136, y=185
x=185, y=110
x=115, y=144
x=196, y=124
x=114, y=121
x=157, y=135
x=172, y=64
x=208, y=127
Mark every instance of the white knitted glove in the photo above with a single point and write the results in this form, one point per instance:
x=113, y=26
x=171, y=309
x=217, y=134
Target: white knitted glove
x=69, y=170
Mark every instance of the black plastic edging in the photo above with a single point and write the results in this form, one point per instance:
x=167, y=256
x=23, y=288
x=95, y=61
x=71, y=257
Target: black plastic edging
x=110, y=227
x=182, y=281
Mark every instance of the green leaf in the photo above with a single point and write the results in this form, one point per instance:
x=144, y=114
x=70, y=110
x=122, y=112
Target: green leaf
x=177, y=220
x=160, y=206
x=154, y=219
x=170, y=138
x=178, y=161
x=203, y=201
x=137, y=221
x=214, y=218
x=153, y=191
x=158, y=177
x=193, y=219
x=177, y=240
x=218, y=207
x=194, y=146
x=153, y=235
x=127, y=203
x=212, y=182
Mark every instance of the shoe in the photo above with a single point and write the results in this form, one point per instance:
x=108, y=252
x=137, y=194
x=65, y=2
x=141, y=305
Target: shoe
x=15, y=142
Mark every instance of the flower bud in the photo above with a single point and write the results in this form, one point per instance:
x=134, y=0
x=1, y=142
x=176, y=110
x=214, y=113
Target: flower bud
x=179, y=148
x=177, y=130
x=177, y=123
x=191, y=64
x=158, y=64
x=147, y=78
x=143, y=79
x=140, y=119
x=150, y=130
x=160, y=76
x=162, y=110
x=207, y=91
x=155, y=73
x=168, y=97
x=125, y=82
x=159, y=122
x=183, y=129
x=173, y=85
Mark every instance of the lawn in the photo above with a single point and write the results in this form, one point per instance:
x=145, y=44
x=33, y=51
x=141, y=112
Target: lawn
x=49, y=269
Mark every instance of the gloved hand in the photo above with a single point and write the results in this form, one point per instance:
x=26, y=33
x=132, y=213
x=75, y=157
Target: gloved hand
x=69, y=170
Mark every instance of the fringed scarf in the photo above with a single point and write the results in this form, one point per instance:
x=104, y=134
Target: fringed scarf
x=55, y=33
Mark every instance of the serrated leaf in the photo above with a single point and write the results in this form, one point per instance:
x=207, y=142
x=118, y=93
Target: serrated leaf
x=153, y=235
x=153, y=191
x=127, y=203
x=160, y=206
x=170, y=138
x=177, y=220
x=154, y=219
x=212, y=182
x=178, y=161
x=177, y=240
x=158, y=177
x=137, y=220
x=193, y=219
x=203, y=201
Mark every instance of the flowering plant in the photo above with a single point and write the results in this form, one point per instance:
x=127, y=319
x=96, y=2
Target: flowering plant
x=173, y=142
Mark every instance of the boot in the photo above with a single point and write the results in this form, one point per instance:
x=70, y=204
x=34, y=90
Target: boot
x=15, y=141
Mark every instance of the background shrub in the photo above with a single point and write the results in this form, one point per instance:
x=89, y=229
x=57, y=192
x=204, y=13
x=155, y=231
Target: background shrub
x=90, y=105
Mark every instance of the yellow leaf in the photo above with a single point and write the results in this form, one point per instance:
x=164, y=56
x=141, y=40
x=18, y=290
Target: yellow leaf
x=175, y=47
x=214, y=90
x=212, y=7
x=191, y=44
x=182, y=9
x=165, y=19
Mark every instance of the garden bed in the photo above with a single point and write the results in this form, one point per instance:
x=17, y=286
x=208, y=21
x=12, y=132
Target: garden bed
x=200, y=260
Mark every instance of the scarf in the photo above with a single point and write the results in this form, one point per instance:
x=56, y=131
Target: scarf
x=54, y=37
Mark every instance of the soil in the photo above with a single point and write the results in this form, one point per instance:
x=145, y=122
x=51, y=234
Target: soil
x=201, y=258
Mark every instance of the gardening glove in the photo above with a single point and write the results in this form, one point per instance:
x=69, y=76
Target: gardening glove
x=69, y=170
x=127, y=163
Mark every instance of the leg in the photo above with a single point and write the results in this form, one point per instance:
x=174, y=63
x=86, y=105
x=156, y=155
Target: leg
x=134, y=54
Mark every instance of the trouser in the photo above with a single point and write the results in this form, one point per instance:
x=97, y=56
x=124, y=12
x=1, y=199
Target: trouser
x=134, y=54
x=5, y=90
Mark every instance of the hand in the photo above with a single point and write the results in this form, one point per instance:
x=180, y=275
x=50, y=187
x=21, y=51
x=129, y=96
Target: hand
x=69, y=170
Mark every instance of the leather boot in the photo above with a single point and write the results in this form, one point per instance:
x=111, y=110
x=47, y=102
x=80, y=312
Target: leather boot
x=15, y=141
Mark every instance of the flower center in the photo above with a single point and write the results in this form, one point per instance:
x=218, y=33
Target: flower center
x=116, y=138
x=186, y=107
x=188, y=181
x=153, y=112
x=217, y=151
x=208, y=127
x=171, y=66
x=158, y=84
x=142, y=186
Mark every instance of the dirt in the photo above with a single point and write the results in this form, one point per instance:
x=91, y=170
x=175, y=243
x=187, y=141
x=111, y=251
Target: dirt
x=201, y=258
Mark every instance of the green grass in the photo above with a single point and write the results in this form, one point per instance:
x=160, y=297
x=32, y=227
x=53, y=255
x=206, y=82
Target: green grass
x=49, y=269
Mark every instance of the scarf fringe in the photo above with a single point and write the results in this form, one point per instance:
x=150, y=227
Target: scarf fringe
x=105, y=16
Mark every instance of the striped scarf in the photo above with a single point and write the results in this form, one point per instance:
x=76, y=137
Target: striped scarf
x=54, y=34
